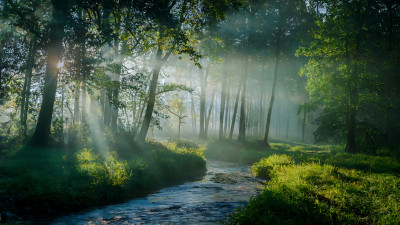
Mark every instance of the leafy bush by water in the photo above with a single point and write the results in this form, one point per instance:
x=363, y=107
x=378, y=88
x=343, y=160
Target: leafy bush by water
x=265, y=167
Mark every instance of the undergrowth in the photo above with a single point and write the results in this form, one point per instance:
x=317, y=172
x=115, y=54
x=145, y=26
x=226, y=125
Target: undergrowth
x=49, y=180
x=315, y=193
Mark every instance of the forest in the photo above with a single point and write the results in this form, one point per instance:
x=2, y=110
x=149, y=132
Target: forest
x=200, y=112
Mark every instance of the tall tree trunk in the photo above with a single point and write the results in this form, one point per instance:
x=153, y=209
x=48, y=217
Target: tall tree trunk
x=62, y=113
x=351, y=124
x=152, y=95
x=242, y=120
x=107, y=109
x=27, y=87
x=352, y=102
x=235, y=110
x=203, y=87
x=53, y=54
x=179, y=127
x=115, y=106
x=84, y=103
x=222, y=105
x=209, y=116
x=194, y=119
x=227, y=107
x=271, y=103
x=260, y=114
x=304, y=124
x=77, y=100
x=118, y=71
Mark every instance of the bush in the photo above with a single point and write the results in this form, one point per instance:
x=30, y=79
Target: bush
x=266, y=166
x=48, y=181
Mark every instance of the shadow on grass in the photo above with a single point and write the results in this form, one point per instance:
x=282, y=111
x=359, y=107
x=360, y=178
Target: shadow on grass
x=37, y=181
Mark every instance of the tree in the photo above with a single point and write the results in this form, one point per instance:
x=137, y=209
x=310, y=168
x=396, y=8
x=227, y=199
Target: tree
x=174, y=32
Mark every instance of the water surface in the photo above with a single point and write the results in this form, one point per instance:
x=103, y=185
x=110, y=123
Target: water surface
x=225, y=187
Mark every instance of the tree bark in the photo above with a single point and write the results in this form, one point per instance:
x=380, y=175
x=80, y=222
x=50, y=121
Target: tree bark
x=194, y=119
x=152, y=95
x=235, y=110
x=77, y=99
x=27, y=87
x=352, y=102
x=209, y=115
x=222, y=105
x=271, y=103
x=304, y=124
x=107, y=109
x=203, y=87
x=84, y=103
x=53, y=52
x=227, y=107
x=242, y=120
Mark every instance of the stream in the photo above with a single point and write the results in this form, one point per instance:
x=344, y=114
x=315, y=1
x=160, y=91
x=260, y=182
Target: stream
x=225, y=187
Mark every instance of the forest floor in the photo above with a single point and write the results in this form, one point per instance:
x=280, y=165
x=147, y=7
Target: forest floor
x=309, y=184
x=52, y=181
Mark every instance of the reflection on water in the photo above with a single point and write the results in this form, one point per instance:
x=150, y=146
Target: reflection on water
x=225, y=187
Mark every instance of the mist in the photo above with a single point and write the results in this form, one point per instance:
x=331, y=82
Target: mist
x=105, y=101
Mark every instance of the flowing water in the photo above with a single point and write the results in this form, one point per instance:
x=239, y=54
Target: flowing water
x=225, y=187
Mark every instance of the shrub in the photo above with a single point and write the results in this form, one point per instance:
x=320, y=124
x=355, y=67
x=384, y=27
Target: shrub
x=266, y=166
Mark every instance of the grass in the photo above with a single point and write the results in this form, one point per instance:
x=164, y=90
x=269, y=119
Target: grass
x=251, y=152
x=315, y=193
x=49, y=180
x=310, y=184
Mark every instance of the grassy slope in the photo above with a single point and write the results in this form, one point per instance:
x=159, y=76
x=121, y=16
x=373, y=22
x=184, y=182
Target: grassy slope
x=39, y=180
x=316, y=185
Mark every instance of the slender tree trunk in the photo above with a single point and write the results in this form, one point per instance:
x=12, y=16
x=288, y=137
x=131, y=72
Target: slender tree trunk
x=271, y=103
x=84, y=103
x=203, y=88
x=222, y=105
x=260, y=114
x=138, y=117
x=77, y=100
x=107, y=109
x=352, y=104
x=193, y=110
x=53, y=51
x=235, y=110
x=27, y=88
x=304, y=124
x=118, y=71
x=62, y=113
x=242, y=120
x=209, y=115
x=152, y=95
x=351, y=124
x=179, y=127
x=102, y=101
x=227, y=107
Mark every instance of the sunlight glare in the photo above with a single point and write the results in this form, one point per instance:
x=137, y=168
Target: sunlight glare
x=60, y=65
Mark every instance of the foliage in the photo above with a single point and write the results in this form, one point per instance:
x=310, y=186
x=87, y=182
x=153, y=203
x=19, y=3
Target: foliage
x=299, y=153
x=312, y=193
x=42, y=180
x=265, y=167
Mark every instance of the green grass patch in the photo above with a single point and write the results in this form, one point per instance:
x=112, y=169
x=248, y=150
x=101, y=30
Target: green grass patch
x=249, y=153
x=315, y=193
x=48, y=180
